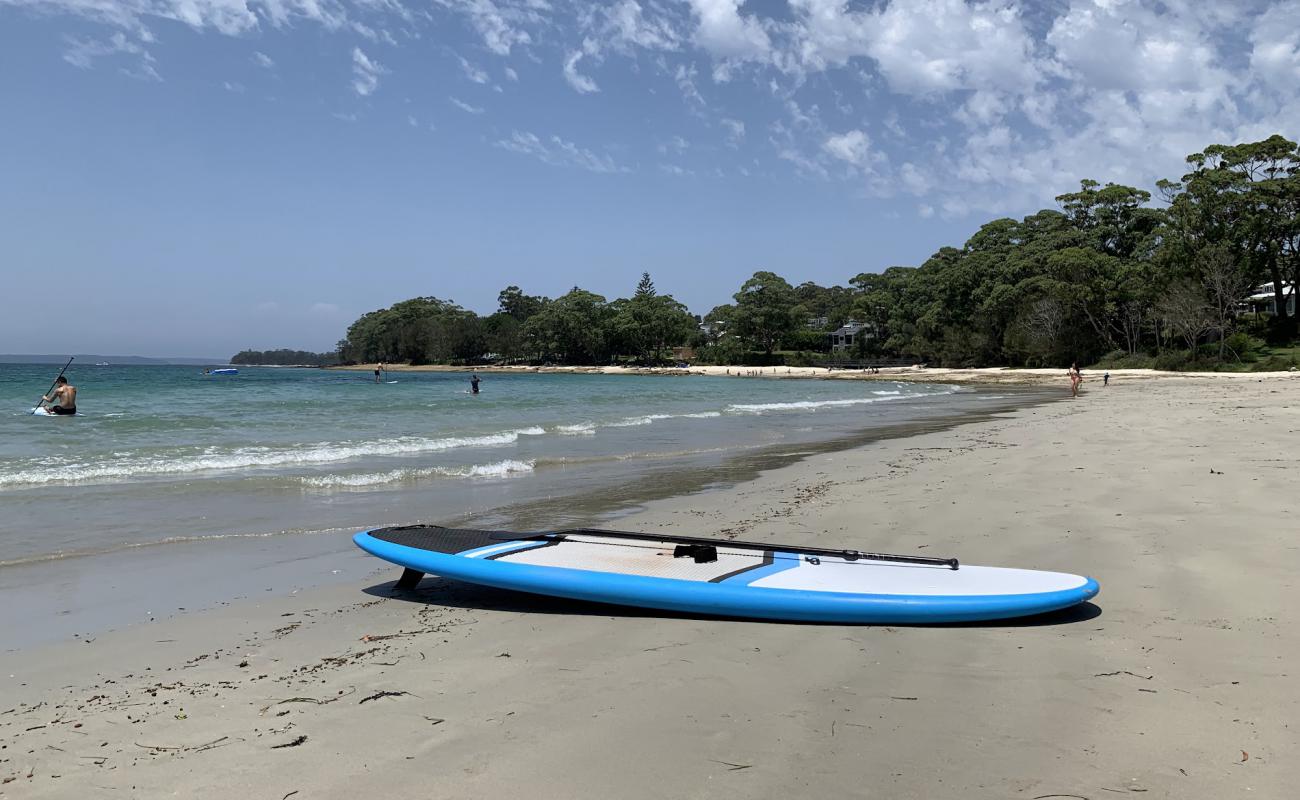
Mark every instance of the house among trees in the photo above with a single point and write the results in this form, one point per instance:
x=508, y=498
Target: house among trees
x=1264, y=301
x=847, y=335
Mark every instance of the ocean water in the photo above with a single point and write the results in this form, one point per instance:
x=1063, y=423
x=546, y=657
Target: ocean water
x=165, y=457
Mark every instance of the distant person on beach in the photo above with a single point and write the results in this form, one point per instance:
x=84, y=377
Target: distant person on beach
x=1105, y=379
x=473, y=384
x=1076, y=379
x=66, y=396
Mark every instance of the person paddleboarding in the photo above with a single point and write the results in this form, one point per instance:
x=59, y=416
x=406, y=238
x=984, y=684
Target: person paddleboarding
x=473, y=384
x=63, y=398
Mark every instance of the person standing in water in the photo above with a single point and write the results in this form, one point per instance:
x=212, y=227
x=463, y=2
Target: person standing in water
x=66, y=395
x=473, y=384
x=378, y=368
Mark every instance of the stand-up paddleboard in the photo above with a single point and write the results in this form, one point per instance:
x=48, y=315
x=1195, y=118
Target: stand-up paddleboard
x=726, y=578
x=224, y=371
x=42, y=411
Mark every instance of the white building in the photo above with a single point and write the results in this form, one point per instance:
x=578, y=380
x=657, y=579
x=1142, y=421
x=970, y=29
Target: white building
x=847, y=335
x=1263, y=301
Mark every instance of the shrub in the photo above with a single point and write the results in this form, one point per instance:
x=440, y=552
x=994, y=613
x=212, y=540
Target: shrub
x=1173, y=360
x=1122, y=359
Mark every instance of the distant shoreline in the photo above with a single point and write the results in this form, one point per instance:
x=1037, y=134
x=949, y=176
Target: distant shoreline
x=980, y=375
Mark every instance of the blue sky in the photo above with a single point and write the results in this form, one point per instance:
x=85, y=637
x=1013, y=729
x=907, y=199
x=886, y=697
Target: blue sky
x=198, y=176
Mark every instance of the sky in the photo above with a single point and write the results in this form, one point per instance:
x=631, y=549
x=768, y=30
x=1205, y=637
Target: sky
x=196, y=177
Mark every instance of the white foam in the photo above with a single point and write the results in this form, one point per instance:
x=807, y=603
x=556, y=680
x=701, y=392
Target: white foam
x=499, y=469
x=579, y=429
x=213, y=460
x=806, y=405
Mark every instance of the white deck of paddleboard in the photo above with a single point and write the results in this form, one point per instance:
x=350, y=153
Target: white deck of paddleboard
x=623, y=557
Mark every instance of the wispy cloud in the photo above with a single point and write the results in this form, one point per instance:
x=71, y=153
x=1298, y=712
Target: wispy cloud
x=511, y=74
x=674, y=169
x=82, y=53
x=674, y=145
x=735, y=131
x=466, y=107
x=560, y=153
x=263, y=60
x=365, y=73
x=580, y=83
x=472, y=72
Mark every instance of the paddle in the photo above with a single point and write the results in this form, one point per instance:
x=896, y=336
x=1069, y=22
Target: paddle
x=848, y=555
x=52, y=385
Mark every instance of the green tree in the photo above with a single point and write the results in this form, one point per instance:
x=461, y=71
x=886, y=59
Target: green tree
x=515, y=303
x=765, y=310
x=574, y=328
x=648, y=322
x=1245, y=198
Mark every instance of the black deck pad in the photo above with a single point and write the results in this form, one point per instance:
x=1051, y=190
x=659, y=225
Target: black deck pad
x=437, y=539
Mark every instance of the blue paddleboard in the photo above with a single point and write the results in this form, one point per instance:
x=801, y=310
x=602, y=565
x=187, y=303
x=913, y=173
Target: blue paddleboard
x=727, y=578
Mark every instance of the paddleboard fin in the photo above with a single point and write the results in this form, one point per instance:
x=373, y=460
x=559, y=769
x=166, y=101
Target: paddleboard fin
x=409, y=580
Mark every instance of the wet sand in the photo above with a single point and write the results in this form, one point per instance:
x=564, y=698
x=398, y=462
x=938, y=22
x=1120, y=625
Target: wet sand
x=1177, y=495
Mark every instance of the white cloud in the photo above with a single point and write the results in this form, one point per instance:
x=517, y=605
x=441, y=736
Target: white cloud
x=237, y=88
x=82, y=52
x=501, y=26
x=853, y=147
x=685, y=78
x=580, y=83
x=466, y=107
x=1275, y=47
x=676, y=171
x=558, y=152
x=263, y=60
x=735, y=131
x=472, y=72
x=511, y=74
x=676, y=144
x=625, y=26
x=324, y=308
x=727, y=34
x=365, y=73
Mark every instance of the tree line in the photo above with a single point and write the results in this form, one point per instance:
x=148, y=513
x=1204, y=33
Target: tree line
x=297, y=358
x=1105, y=277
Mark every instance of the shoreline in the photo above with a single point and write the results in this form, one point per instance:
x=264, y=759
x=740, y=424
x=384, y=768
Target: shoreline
x=975, y=375
x=1174, y=683
x=130, y=576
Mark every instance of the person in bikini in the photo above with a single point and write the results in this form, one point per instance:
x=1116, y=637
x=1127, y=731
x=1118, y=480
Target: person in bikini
x=64, y=398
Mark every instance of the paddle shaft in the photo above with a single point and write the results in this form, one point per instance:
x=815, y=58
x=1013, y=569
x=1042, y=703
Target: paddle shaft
x=52, y=385
x=848, y=555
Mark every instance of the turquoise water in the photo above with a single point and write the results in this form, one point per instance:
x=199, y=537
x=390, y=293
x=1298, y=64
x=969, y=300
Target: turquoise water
x=329, y=429
x=174, y=484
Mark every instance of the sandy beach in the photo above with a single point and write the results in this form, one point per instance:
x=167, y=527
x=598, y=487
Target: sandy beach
x=1177, y=494
x=918, y=373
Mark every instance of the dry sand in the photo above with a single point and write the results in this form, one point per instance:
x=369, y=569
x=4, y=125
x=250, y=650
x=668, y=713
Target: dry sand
x=1178, y=496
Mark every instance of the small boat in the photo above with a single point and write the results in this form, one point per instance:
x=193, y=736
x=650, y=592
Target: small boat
x=101, y=364
x=224, y=371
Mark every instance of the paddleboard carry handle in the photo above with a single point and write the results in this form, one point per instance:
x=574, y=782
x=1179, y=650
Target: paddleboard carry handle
x=698, y=541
